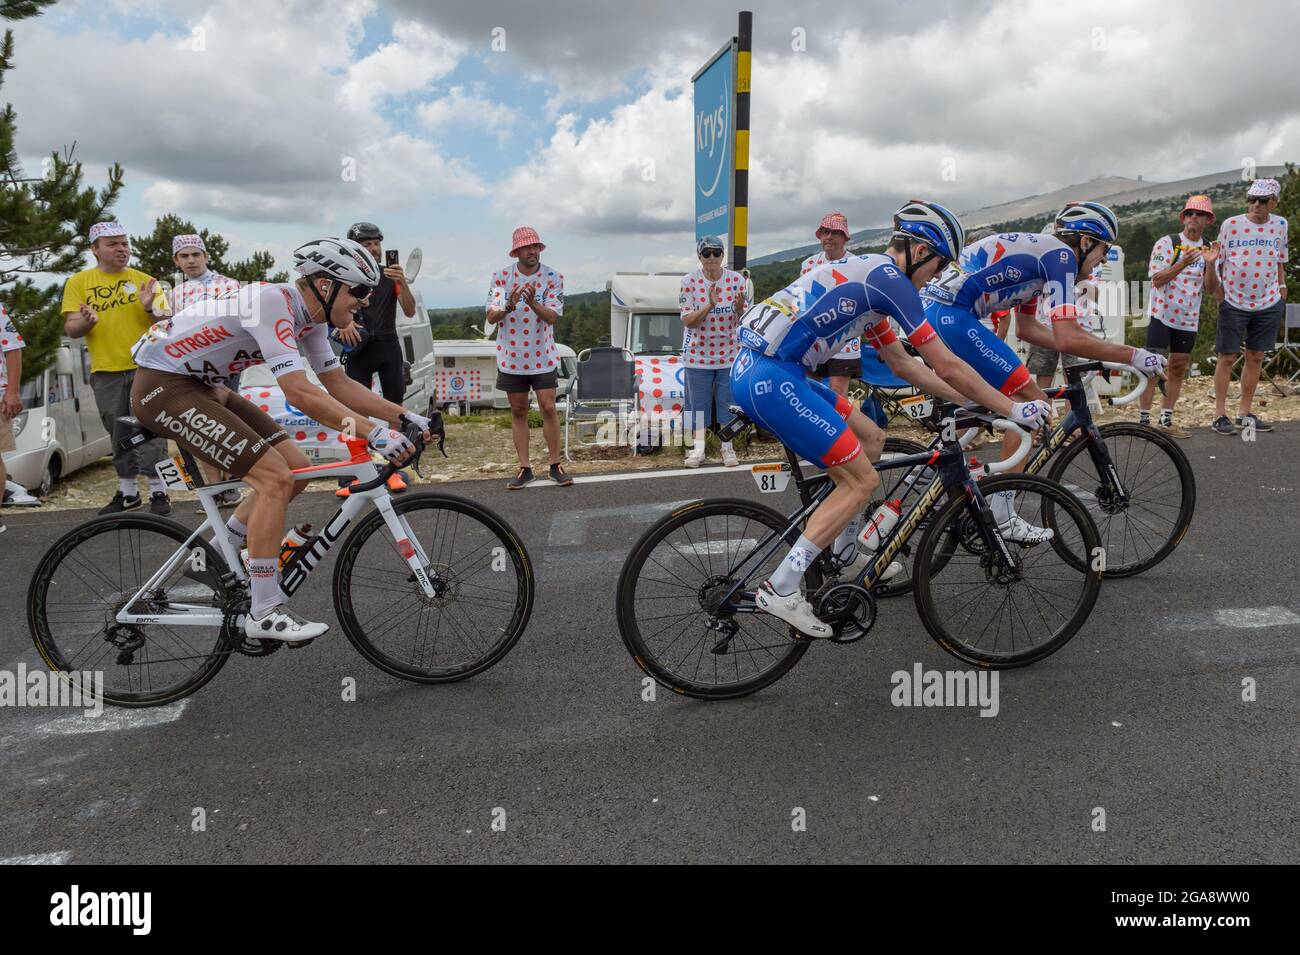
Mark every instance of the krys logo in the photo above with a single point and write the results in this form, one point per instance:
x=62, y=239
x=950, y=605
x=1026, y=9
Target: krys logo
x=711, y=132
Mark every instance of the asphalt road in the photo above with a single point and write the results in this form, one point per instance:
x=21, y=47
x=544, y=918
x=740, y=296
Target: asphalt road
x=1141, y=716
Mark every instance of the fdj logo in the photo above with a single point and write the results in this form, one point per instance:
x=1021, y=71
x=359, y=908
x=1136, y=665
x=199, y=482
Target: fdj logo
x=1013, y=273
x=847, y=306
x=823, y=318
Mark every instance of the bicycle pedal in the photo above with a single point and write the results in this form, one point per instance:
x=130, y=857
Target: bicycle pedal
x=297, y=644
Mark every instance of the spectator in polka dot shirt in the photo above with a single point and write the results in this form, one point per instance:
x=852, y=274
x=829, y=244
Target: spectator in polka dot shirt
x=1181, y=269
x=1254, y=253
x=525, y=300
x=712, y=301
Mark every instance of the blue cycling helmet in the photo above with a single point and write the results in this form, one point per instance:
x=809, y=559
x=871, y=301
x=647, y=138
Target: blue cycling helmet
x=1088, y=218
x=931, y=224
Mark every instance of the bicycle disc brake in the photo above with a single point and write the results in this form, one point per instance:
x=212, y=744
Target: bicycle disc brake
x=849, y=609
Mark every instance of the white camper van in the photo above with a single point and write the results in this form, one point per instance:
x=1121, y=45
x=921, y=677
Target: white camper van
x=465, y=373
x=645, y=318
x=59, y=429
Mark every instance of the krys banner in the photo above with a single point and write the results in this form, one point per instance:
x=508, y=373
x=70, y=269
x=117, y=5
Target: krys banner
x=715, y=122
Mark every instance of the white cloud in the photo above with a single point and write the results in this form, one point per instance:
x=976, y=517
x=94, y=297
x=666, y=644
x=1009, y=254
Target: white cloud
x=459, y=109
x=417, y=56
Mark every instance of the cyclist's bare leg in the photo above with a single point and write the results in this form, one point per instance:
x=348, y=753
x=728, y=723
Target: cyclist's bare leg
x=293, y=457
x=855, y=482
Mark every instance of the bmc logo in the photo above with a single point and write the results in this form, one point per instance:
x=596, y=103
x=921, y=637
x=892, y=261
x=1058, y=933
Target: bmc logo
x=847, y=306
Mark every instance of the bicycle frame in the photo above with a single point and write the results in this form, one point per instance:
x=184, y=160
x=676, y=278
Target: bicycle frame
x=305, y=559
x=951, y=476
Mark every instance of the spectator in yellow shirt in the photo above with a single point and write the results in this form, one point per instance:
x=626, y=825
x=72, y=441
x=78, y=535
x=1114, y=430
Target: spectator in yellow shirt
x=112, y=305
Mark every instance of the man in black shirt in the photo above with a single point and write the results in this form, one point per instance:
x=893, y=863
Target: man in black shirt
x=379, y=351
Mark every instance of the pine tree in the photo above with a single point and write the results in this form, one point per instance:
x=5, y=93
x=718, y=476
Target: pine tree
x=1288, y=207
x=153, y=254
x=44, y=220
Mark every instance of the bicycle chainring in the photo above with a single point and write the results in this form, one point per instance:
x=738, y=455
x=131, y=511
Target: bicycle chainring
x=232, y=632
x=848, y=608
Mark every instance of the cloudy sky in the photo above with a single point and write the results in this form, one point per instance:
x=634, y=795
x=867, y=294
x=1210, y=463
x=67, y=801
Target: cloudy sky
x=250, y=118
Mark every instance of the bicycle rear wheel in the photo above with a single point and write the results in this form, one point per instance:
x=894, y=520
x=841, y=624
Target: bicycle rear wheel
x=479, y=567
x=668, y=595
x=87, y=577
x=1157, y=480
x=983, y=613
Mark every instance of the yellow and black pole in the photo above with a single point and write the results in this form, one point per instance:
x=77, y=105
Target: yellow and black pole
x=740, y=200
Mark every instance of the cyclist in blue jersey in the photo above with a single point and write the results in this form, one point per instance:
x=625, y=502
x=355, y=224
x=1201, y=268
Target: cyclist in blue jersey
x=804, y=324
x=1016, y=270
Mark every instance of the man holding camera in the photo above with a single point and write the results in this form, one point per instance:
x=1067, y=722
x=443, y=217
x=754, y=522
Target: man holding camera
x=371, y=345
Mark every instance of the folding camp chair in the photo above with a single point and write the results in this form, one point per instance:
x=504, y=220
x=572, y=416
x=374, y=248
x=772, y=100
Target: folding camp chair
x=605, y=383
x=1286, y=353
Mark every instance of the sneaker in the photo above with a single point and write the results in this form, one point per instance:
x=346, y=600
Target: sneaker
x=120, y=503
x=729, y=458
x=281, y=623
x=794, y=610
x=1020, y=531
x=1223, y=425
x=16, y=495
x=694, y=459
x=160, y=504
x=1260, y=423
x=229, y=498
x=396, y=483
x=1171, y=429
x=560, y=476
x=522, y=479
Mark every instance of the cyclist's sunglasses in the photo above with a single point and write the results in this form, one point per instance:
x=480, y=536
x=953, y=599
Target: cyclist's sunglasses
x=360, y=291
x=711, y=253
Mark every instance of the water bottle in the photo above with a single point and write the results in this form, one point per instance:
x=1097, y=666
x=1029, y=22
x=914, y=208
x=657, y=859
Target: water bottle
x=881, y=525
x=296, y=537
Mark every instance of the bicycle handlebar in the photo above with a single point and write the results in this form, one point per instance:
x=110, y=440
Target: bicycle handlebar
x=1022, y=452
x=1143, y=383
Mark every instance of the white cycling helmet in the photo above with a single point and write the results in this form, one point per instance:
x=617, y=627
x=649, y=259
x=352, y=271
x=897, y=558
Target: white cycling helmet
x=342, y=259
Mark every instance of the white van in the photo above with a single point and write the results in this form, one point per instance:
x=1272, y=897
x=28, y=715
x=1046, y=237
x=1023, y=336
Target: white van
x=59, y=430
x=465, y=373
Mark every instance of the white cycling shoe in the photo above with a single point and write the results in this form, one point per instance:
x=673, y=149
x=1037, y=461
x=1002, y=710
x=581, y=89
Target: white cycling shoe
x=794, y=610
x=1020, y=531
x=281, y=623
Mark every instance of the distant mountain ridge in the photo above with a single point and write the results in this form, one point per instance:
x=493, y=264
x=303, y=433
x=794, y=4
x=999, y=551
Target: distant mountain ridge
x=1113, y=190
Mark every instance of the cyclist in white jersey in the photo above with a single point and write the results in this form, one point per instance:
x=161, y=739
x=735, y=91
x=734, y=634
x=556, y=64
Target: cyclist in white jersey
x=803, y=325
x=180, y=392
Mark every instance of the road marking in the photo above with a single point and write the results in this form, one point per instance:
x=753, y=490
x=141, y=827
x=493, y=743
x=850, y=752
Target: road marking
x=647, y=475
x=1235, y=618
x=111, y=720
x=45, y=858
x=569, y=528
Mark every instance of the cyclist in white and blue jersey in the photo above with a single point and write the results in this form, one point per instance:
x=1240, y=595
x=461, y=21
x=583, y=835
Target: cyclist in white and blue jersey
x=802, y=325
x=1015, y=270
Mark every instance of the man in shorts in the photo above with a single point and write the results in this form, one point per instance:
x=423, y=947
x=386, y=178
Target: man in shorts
x=526, y=299
x=179, y=392
x=1181, y=269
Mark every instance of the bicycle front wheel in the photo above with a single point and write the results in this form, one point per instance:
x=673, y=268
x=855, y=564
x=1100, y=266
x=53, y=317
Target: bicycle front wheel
x=481, y=573
x=989, y=613
x=668, y=601
x=1143, y=519
x=88, y=576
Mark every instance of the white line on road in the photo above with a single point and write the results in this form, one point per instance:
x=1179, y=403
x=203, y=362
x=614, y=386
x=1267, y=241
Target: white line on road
x=44, y=858
x=1236, y=618
x=111, y=720
x=646, y=475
